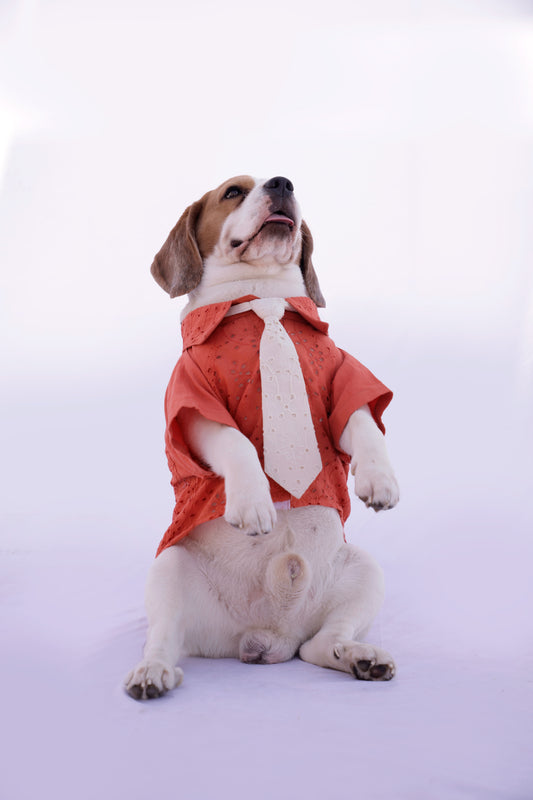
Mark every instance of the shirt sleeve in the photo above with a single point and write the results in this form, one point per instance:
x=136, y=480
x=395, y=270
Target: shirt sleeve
x=189, y=388
x=354, y=386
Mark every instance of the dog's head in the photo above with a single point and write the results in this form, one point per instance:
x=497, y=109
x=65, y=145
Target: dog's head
x=244, y=221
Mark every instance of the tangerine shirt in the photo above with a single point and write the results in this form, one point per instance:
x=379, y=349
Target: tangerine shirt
x=218, y=374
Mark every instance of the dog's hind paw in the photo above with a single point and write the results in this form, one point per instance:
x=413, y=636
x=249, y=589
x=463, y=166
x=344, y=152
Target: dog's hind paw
x=152, y=679
x=366, y=662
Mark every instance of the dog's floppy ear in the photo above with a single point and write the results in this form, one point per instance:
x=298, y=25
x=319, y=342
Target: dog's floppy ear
x=308, y=271
x=178, y=266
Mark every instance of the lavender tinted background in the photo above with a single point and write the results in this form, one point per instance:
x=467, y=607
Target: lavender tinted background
x=407, y=129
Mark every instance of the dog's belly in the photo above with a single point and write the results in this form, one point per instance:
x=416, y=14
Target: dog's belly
x=281, y=582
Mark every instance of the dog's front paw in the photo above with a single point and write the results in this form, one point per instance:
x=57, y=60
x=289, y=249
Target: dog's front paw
x=376, y=485
x=249, y=505
x=151, y=679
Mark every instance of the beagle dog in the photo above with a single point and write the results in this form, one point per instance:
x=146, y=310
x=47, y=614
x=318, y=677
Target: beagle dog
x=250, y=569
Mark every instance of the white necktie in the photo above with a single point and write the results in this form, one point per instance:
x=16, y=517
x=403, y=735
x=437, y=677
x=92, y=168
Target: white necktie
x=291, y=453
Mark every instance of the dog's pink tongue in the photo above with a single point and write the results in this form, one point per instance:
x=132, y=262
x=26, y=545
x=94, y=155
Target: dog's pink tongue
x=280, y=218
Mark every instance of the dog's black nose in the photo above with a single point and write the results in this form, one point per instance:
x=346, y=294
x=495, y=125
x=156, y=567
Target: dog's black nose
x=279, y=185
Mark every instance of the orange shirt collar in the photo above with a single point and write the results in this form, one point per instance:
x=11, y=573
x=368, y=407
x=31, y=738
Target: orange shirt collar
x=199, y=324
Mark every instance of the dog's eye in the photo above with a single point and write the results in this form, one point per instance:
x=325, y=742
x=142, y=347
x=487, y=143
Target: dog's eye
x=232, y=192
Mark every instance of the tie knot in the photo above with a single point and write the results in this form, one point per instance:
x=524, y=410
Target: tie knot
x=269, y=307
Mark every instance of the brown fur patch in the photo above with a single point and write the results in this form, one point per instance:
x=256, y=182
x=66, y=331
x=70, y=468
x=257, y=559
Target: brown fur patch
x=215, y=210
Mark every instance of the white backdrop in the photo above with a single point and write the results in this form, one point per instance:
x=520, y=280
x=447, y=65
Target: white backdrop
x=407, y=129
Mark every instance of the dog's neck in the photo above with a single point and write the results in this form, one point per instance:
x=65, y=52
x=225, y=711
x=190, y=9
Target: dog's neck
x=238, y=280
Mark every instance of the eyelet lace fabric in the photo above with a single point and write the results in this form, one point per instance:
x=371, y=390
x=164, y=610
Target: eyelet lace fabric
x=290, y=450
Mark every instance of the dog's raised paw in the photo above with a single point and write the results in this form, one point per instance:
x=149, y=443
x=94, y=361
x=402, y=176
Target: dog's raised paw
x=376, y=487
x=152, y=679
x=249, y=506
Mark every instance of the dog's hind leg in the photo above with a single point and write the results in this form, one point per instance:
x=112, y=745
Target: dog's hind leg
x=157, y=673
x=355, y=599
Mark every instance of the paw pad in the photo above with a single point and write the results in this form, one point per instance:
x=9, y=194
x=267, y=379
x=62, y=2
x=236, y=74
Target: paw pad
x=135, y=691
x=365, y=670
x=152, y=692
